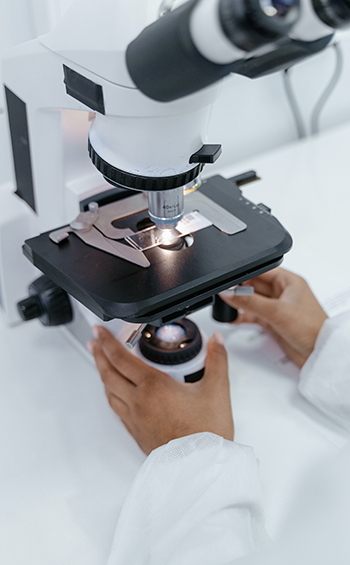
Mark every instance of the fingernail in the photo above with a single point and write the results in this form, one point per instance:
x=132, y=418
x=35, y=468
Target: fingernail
x=90, y=346
x=96, y=331
x=219, y=338
x=227, y=294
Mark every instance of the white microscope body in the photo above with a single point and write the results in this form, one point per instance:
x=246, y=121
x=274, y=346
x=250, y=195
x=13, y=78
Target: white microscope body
x=134, y=131
x=75, y=83
x=91, y=40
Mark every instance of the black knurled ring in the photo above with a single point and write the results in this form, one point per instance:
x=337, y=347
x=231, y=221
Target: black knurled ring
x=136, y=182
x=155, y=350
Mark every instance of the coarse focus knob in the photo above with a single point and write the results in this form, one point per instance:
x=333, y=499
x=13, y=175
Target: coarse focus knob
x=46, y=301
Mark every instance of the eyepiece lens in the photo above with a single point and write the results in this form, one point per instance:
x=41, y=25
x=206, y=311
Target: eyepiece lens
x=334, y=13
x=279, y=8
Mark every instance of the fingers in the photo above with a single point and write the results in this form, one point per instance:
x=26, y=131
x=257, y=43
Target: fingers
x=272, y=283
x=118, y=406
x=216, y=366
x=264, y=284
x=292, y=354
x=246, y=318
x=121, y=359
x=271, y=276
x=256, y=305
x=261, y=287
x=112, y=379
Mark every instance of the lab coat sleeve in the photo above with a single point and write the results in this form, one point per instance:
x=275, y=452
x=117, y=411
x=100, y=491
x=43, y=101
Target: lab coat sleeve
x=325, y=377
x=196, y=500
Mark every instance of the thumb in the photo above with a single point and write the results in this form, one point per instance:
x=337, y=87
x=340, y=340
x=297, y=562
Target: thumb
x=216, y=366
x=260, y=306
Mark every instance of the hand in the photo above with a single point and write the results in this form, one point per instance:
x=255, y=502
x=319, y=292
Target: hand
x=152, y=405
x=284, y=304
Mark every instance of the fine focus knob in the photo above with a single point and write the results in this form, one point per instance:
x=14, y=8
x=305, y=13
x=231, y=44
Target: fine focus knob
x=46, y=301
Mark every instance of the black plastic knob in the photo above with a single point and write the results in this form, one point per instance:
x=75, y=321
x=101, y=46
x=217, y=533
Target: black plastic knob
x=46, y=301
x=206, y=154
x=222, y=312
x=29, y=308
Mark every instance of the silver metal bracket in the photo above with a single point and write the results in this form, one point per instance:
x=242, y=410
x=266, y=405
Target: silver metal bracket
x=218, y=216
x=95, y=227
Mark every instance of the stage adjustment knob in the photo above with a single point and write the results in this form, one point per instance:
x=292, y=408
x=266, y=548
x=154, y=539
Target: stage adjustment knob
x=46, y=301
x=222, y=312
x=29, y=308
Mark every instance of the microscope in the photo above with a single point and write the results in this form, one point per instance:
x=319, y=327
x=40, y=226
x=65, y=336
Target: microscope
x=134, y=237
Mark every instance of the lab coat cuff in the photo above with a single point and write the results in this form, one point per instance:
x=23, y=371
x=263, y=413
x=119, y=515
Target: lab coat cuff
x=324, y=378
x=191, y=496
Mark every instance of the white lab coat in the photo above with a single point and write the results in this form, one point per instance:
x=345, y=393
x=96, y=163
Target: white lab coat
x=197, y=500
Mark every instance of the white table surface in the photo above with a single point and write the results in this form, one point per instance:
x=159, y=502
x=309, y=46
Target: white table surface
x=66, y=460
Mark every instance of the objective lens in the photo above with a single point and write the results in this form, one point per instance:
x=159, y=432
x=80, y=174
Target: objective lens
x=170, y=333
x=166, y=207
